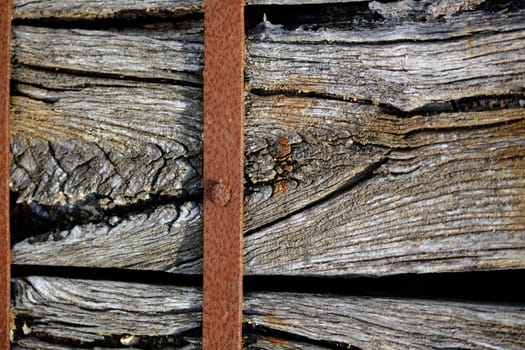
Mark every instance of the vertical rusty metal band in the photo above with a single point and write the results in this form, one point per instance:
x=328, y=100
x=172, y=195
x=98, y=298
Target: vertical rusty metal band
x=223, y=173
x=5, y=255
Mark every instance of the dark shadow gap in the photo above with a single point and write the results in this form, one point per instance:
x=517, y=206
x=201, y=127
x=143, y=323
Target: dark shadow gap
x=312, y=16
x=483, y=286
x=121, y=20
x=196, y=82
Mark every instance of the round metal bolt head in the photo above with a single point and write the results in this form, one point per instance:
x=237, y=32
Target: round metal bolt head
x=220, y=194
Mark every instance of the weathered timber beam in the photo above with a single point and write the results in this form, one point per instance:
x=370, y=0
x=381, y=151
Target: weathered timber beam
x=435, y=193
x=449, y=200
x=390, y=323
x=104, y=314
x=169, y=238
x=89, y=311
x=405, y=65
x=100, y=9
x=171, y=51
x=105, y=141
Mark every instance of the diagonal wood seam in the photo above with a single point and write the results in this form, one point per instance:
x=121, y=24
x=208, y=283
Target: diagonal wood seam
x=224, y=53
x=5, y=253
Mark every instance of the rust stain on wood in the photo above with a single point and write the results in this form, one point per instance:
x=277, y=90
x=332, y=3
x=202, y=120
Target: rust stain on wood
x=5, y=246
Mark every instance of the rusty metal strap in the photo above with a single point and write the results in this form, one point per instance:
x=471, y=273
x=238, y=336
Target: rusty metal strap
x=5, y=254
x=223, y=173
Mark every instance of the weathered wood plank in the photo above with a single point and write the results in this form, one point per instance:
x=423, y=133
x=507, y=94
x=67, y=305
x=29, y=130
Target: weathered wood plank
x=100, y=9
x=104, y=141
x=446, y=198
x=104, y=314
x=159, y=51
x=433, y=193
x=407, y=65
x=389, y=323
x=169, y=238
x=89, y=311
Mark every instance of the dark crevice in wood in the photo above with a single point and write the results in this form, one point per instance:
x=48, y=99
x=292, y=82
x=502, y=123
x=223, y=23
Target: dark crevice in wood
x=322, y=15
x=93, y=74
x=108, y=274
x=483, y=286
x=478, y=103
x=365, y=175
x=252, y=331
x=41, y=222
x=492, y=6
x=121, y=20
x=347, y=15
x=455, y=129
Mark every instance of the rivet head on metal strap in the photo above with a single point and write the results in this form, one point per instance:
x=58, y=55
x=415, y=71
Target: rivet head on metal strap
x=220, y=194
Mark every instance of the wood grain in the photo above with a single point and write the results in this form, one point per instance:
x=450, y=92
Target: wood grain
x=103, y=141
x=435, y=193
x=406, y=65
x=172, y=51
x=90, y=311
x=389, y=323
x=167, y=238
x=443, y=200
x=104, y=313
x=100, y=9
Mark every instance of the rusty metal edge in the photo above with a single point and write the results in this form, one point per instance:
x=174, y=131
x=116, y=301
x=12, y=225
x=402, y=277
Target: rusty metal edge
x=223, y=174
x=5, y=247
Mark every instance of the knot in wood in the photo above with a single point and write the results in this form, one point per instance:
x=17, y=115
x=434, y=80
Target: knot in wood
x=220, y=194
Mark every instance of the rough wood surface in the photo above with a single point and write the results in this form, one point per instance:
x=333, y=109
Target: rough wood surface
x=104, y=314
x=433, y=194
x=389, y=323
x=406, y=65
x=100, y=9
x=172, y=51
x=445, y=197
x=93, y=312
x=104, y=140
x=167, y=238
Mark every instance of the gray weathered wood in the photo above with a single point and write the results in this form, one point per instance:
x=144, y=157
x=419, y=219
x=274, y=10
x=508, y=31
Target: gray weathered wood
x=433, y=194
x=89, y=311
x=389, y=323
x=406, y=65
x=103, y=140
x=447, y=197
x=167, y=239
x=73, y=310
x=164, y=51
x=100, y=9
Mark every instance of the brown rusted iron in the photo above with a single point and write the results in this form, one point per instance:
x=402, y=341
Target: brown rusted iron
x=223, y=173
x=5, y=254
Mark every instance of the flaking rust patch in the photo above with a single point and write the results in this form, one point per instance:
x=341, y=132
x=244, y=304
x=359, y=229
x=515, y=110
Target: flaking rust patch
x=284, y=165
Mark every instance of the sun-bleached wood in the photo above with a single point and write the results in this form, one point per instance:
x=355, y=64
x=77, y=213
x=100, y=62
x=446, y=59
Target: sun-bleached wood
x=407, y=66
x=390, y=323
x=102, y=312
x=436, y=193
